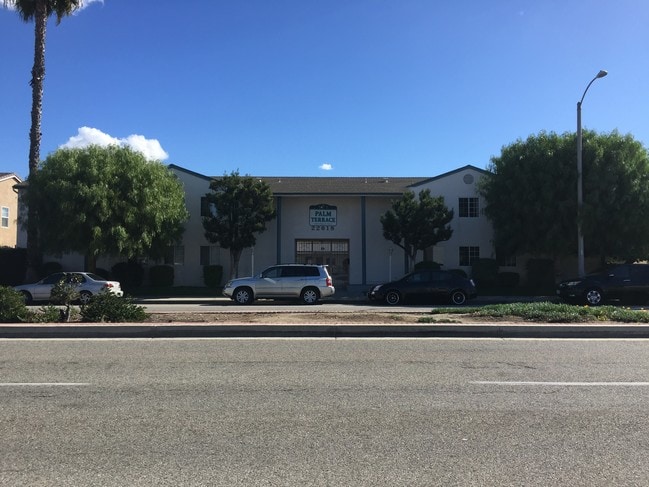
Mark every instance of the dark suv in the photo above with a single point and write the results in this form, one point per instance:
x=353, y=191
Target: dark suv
x=620, y=282
x=308, y=283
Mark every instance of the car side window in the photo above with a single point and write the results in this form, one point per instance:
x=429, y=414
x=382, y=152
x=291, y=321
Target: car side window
x=291, y=271
x=420, y=277
x=54, y=278
x=438, y=276
x=75, y=278
x=272, y=273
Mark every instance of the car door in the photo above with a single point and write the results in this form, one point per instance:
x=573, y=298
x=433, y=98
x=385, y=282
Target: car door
x=441, y=284
x=293, y=280
x=418, y=286
x=269, y=283
x=42, y=289
x=618, y=282
x=638, y=287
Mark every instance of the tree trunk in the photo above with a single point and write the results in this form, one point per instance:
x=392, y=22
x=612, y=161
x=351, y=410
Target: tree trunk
x=38, y=76
x=235, y=257
x=90, y=263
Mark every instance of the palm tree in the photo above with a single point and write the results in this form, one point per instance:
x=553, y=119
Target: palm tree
x=38, y=11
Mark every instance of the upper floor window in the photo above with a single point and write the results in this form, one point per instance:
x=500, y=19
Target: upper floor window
x=207, y=208
x=4, y=217
x=469, y=207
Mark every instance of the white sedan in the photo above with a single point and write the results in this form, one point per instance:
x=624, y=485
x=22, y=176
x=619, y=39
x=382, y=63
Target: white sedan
x=88, y=285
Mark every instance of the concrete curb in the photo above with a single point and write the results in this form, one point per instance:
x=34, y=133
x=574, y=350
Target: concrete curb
x=192, y=330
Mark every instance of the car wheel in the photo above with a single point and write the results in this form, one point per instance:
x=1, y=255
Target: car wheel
x=243, y=295
x=84, y=297
x=27, y=298
x=309, y=295
x=393, y=298
x=458, y=297
x=593, y=297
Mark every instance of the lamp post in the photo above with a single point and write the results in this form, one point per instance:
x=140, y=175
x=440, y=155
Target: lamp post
x=580, y=192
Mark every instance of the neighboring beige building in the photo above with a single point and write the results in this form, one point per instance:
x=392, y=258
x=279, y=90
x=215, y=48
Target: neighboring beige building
x=336, y=221
x=8, y=210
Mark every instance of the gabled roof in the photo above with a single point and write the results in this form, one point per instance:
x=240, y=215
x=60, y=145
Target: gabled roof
x=468, y=167
x=9, y=175
x=289, y=185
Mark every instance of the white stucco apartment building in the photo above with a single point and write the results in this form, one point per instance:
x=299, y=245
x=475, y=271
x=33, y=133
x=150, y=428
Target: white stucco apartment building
x=336, y=221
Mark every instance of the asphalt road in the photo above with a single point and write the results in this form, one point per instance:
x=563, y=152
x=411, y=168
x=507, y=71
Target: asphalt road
x=324, y=412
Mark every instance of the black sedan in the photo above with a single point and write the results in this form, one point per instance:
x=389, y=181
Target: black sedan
x=425, y=285
x=621, y=282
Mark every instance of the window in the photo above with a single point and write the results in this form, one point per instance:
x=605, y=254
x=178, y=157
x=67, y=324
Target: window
x=469, y=208
x=209, y=254
x=468, y=255
x=505, y=260
x=207, y=208
x=175, y=255
x=4, y=217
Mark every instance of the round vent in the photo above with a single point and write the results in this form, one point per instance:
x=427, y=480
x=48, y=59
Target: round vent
x=468, y=178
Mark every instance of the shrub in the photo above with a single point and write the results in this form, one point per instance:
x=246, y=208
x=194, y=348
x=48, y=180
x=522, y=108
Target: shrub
x=161, y=276
x=51, y=314
x=212, y=275
x=12, y=306
x=129, y=274
x=509, y=279
x=13, y=263
x=485, y=272
x=540, y=273
x=65, y=292
x=427, y=264
x=106, y=307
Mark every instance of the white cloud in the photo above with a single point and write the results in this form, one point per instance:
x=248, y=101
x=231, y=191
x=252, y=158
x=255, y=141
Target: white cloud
x=325, y=167
x=11, y=4
x=150, y=148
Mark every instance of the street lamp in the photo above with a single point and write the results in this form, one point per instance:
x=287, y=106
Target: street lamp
x=580, y=192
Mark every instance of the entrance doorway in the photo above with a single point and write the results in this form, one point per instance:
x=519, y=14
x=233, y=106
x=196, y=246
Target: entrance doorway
x=329, y=252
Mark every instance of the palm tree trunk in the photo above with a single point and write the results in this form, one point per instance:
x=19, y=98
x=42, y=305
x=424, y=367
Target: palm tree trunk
x=38, y=76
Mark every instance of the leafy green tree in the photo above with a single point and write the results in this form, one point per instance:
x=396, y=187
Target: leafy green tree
x=106, y=201
x=38, y=11
x=241, y=206
x=531, y=196
x=417, y=223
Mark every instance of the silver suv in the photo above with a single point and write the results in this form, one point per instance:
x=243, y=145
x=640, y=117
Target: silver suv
x=306, y=282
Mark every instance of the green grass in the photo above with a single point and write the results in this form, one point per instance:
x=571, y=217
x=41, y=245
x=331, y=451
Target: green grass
x=550, y=313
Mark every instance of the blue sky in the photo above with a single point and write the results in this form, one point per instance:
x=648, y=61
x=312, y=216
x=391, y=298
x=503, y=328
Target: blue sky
x=325, y=87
